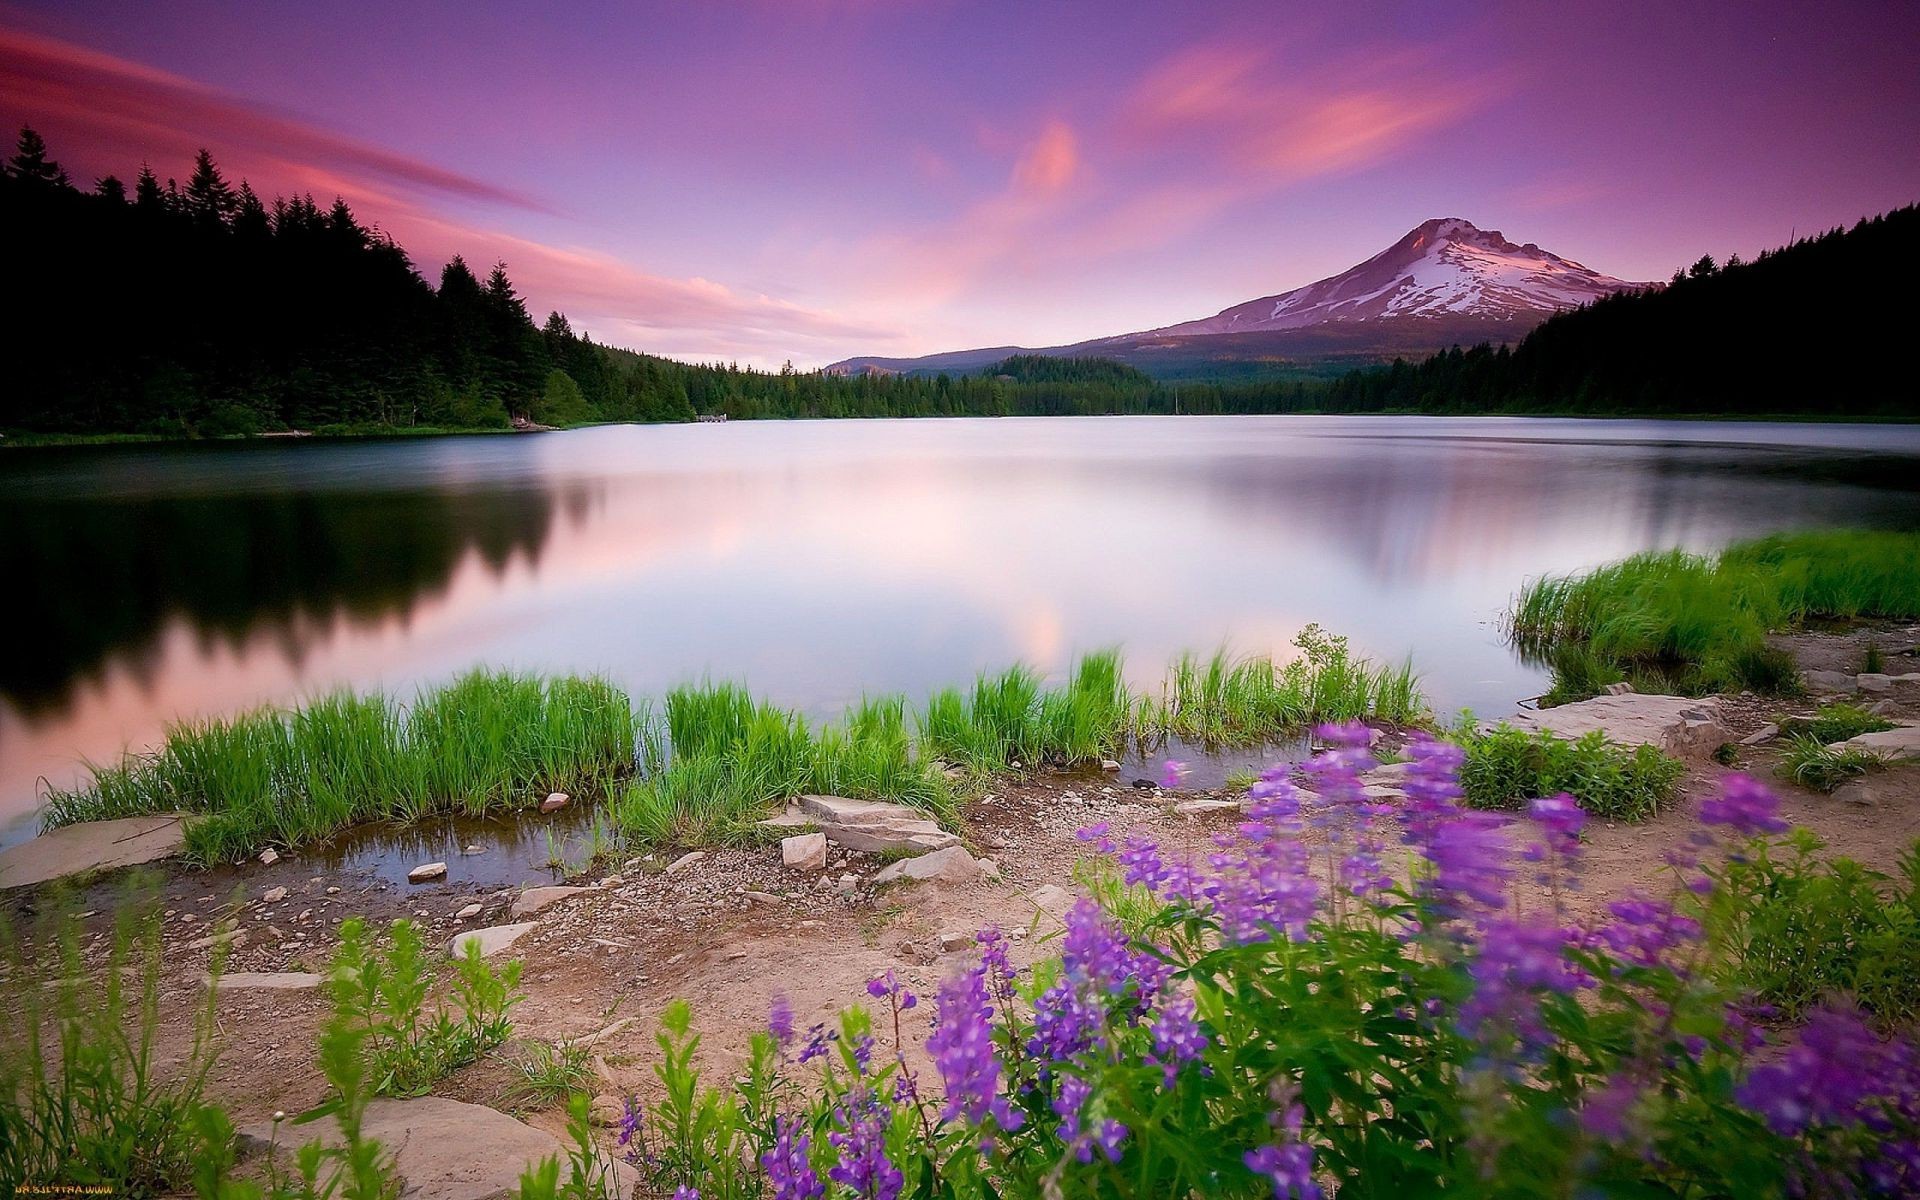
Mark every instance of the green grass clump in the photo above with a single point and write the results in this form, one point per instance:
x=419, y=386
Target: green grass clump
x=1011, y=717
x=99, y=1106
x=1812, y=763
x=1506, y=767
x=1238, y=700
x=1699, y=622
x=274, y=777
x=1836, y=721
x=732, y=757
x=379, y=992
x=1798, y=929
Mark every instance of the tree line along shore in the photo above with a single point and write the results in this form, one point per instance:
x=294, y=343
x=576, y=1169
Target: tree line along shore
x=161, y=310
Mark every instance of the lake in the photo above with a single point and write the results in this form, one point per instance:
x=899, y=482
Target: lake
x=817, y=560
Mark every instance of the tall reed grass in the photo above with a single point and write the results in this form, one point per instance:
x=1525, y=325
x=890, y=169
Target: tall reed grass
x=277, y=777
x=707, y=765
x=1699, y=623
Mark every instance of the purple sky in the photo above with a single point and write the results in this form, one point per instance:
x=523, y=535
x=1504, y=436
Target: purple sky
x=806, y=179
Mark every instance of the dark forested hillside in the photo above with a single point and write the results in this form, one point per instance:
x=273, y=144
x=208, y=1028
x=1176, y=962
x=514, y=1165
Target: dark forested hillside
x=202, y=309
x=1823, y=326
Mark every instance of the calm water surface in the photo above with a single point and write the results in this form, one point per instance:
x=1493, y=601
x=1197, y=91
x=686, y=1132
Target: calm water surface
x=815, y=560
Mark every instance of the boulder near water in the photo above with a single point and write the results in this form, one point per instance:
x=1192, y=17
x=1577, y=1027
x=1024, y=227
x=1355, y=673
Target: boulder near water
x=874, y=826
x=1678, y=725
x=92, y=846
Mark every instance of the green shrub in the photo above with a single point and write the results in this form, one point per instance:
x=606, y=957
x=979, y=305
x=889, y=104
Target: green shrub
x=1505, y=767
x=1813, y=764
x=382, y=995
x=1836, y=722
x=1798, y=929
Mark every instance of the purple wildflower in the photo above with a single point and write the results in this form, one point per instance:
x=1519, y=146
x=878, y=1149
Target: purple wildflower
x=1069, y=1106
x=1288, y=1163
x=887, y=987
x=962, y=1049
x=788, y=1165
x=1837, y=1073
x=780, y=1021
x=1177, y=1039
x=1172, y=773
x=861, y=1139
x=1744, y=806
x=1469, y=852
x=1100, y=834
x=1607, y=1113
x=684, y=1192
x=1518, y=960
x=631, y=1120
x=1644, y=929
x=1562, y=820
x=817, y=1039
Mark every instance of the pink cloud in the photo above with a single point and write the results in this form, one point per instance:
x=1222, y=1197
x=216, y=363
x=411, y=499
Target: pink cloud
x=1050, y=162
x=125, y=108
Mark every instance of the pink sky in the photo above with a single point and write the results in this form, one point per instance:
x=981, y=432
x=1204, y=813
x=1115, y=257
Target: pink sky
x=764, y=180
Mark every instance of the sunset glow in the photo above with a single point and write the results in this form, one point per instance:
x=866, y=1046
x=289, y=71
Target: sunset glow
x=764, y=181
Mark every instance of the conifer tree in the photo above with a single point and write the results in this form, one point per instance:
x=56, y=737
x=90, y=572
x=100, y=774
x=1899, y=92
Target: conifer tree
x=209, y=200
x=31, y=165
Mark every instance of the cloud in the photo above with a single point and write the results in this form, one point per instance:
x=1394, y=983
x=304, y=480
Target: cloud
x=1210, y=128
x=1049, y=163
x=124, y=106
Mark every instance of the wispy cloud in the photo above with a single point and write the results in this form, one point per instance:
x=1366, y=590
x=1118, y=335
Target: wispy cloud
x=1207, y=129
x=132, y=108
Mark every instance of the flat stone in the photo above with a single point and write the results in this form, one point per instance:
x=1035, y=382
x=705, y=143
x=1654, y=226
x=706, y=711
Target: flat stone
x=235, y=938
x=684, y=861
x=875, y=826
x=804, y=852
x=491, y=940
x=950, y=865
x=92, y=846
x=554, y=802
x=1828, y=681
x=427, y=871
x=1765, y=733
x=1873, y=682
x=1107, y=764
x=1202, y=808
x=535, y=899
x=1677, y=725
x=273, y=895
x=763, y=897
x=1619, y=689
x=1388, y=773
x=433, y=1141
x=269, y=856
x=1858, y=791
x=271, y=981
x=1052, y=898
x=1894, y=745
x=950, y=942
x=467, y=913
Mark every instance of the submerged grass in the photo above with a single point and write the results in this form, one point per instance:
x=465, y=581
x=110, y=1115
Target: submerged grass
x=273, y=777
x=1698, y=623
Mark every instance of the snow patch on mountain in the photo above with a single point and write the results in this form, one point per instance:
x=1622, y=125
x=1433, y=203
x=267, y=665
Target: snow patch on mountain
x=1445, y=267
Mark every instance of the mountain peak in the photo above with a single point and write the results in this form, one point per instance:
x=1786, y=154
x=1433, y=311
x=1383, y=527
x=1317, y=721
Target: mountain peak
x=1447, y=280
x=1444, y=267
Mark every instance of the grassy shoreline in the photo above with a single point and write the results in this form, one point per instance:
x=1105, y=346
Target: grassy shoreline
x=1694, y=623
x=705, y=765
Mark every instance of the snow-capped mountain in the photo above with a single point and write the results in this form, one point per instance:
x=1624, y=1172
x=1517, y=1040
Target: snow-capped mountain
x=1445, y=282
x=1443, y=268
